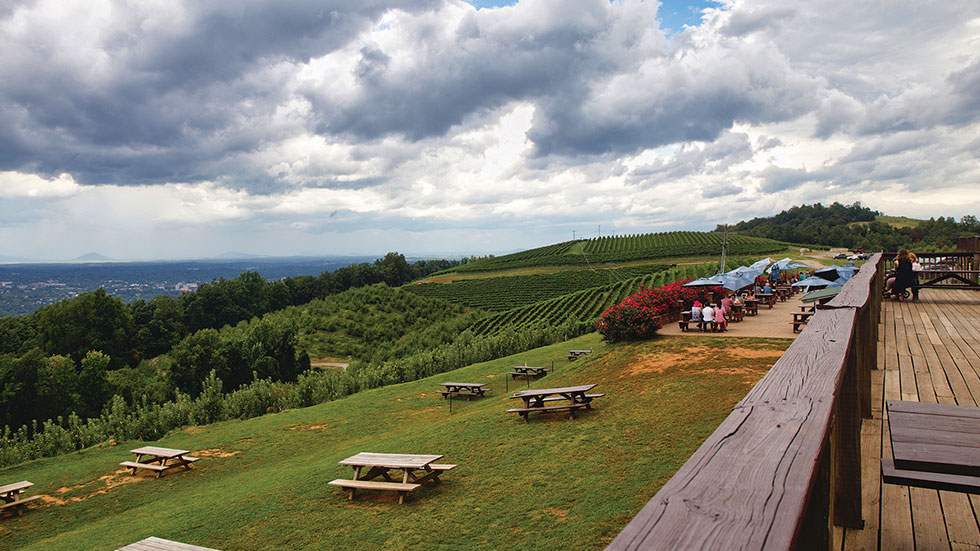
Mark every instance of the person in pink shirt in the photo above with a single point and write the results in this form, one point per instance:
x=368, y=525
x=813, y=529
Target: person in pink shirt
x=726, y=303
x=720, y=322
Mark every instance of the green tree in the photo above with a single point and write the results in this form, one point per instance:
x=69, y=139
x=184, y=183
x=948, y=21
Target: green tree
x=90, y=321
x=57, y=388
x=93, y=383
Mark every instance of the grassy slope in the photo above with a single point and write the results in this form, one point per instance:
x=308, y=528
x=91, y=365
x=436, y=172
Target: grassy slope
x=551, y=484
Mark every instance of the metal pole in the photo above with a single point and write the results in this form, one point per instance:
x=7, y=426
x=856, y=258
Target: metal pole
x=450, y=403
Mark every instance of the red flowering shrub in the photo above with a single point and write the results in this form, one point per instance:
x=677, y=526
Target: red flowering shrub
x=641, y=314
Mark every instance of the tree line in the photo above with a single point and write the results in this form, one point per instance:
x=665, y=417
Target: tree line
x=855, y=226
x=73, y=356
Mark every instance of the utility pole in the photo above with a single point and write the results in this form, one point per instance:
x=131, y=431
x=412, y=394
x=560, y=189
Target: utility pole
x=724, y=246
x=573, y=235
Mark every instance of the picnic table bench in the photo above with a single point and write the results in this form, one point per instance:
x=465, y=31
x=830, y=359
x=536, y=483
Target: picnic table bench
x=685, y=322
x=160, y=544
x=574, y=354
x=379, y=464
x=160, y=459
x=538, y=400
x=10, y=498
x=783, y=293
x=933, y=446
x=800, y=319
x=751, y=306
x=469, y=390
x=528, y=371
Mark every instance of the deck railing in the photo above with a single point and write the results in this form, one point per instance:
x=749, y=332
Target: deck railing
x=786, y=464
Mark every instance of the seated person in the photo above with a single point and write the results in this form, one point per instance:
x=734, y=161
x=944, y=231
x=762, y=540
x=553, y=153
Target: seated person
x=726, y=303
x=720, y=322
x=708, y=315
x=767, y=289
x=696, y=315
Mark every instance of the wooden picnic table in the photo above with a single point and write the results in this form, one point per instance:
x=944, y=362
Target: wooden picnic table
x=160, y=544
x=933, y=446
x=751, y=306
x=800, y=319
x=574, y=354
x=11, y=498
x=159, y=459
x=767, y=298
x=528, y=371
x=542, y=399
x=469, y=390
x=368, y=466
x=783, y=293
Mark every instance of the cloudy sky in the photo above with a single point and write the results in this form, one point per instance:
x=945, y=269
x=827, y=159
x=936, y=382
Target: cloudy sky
x=188, y=128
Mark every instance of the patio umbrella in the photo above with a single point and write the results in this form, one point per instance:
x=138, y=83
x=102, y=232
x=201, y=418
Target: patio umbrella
x=830, y=274
x=812, y=283
x=713, y=281
x=736, y=281
x=785, y=264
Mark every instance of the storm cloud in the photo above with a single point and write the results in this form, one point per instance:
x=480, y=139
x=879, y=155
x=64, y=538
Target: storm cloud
x=309, y=119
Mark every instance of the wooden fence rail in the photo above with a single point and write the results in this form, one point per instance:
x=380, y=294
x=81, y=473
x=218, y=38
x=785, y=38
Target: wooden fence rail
x=786, y=464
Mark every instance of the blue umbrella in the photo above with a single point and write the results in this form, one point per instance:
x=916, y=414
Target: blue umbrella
x=786, y=264
x=713, y=281
x=736, y=281
x=813, y=282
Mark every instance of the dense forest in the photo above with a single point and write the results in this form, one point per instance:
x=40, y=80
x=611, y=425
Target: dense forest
x=73, y=356
x=855, y=226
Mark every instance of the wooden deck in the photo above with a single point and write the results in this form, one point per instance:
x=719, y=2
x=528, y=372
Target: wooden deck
x=928, y=351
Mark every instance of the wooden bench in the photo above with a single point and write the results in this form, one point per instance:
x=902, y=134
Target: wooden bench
x=588, y=397
x=528, y=372
x=570, y=407
x=924, y=479
x=184, y=461
x=800, y=319
x=19, y=504
x=477, y=393
x=353, y=485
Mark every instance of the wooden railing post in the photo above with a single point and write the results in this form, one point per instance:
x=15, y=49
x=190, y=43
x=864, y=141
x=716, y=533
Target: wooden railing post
x=815, y=531
x=846, y=441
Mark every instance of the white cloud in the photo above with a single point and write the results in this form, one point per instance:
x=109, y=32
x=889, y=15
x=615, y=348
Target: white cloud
x=324, y=123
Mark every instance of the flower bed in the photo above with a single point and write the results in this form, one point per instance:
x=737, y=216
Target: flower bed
x=641, y=314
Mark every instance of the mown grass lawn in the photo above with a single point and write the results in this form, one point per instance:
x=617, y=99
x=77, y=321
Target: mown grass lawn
x=553, y=483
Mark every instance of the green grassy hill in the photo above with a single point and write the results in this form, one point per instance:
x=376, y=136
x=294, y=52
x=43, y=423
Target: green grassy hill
x=619, y=249
x=554, y=483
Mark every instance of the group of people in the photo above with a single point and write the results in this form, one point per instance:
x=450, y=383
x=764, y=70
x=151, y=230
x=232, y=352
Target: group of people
x=904, y=276
x=713, y=317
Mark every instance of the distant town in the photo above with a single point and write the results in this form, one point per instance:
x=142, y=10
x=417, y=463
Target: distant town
x=26, y=287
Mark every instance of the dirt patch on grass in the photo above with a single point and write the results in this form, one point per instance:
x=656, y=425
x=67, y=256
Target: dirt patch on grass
x=754, y=353
x=193, y=430
x=560, y=515
x=705, y=359
x=430, y=410
x=661, y=361
x=110, y=481
x=310, y=427
x=217, y=452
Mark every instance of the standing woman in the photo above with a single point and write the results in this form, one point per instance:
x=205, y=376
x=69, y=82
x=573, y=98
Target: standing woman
x=904, y=276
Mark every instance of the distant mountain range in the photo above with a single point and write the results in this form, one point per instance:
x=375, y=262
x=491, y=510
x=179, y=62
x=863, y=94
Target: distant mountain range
x=91, y=257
